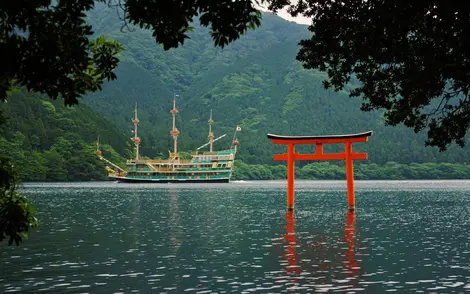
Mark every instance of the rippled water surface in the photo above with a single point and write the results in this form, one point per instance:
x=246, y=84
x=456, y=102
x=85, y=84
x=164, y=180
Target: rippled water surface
x=405, y=236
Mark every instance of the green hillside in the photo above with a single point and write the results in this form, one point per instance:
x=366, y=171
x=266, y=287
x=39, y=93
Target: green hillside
x=255, y=83
x=48, y=141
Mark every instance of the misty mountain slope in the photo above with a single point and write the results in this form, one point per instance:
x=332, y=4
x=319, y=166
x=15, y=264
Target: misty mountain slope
x=254, y=82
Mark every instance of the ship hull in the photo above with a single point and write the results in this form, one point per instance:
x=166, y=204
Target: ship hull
x=165, y=181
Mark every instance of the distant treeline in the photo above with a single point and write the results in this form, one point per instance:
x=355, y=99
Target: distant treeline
x=49, y=142
x=362, y=171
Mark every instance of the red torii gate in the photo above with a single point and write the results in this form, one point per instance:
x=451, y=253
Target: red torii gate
x=348, y=155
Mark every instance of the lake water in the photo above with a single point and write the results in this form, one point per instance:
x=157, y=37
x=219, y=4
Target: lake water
x=405, y=236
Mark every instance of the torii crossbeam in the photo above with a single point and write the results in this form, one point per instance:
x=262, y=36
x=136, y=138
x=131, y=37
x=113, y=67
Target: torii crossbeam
x=348, y=155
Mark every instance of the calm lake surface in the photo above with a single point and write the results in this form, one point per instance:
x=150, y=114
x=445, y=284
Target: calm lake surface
x=405, y=236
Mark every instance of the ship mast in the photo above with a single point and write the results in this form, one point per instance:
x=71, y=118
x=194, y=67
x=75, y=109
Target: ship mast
x=136, y=139
x=234, y=140
x=98, y=151
x=211, y=134
x=174, y=132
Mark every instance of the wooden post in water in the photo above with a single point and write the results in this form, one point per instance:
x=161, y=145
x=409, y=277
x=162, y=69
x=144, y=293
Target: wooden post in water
x=348, y=156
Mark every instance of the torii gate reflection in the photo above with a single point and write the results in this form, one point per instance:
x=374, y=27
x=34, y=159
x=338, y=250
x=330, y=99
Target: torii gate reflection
x=351, y=264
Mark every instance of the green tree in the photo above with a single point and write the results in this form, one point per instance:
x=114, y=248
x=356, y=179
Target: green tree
x=16, y=215
x=410, y=57
x=46, y=47
x=54, y=166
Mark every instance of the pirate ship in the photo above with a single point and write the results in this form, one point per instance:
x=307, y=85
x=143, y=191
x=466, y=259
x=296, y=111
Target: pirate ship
x=202, y=167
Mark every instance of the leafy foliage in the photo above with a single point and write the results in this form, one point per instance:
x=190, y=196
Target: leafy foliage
x=16, y=215
x=45, y=47
x=255, y=83
x=411, y=59
x=372, y=171
x=49, y=142
x=170, y=21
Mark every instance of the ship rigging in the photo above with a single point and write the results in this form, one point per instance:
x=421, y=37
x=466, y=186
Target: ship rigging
x=203, y=166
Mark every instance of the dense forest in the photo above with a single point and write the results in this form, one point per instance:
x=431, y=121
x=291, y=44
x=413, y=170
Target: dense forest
x=50, y=142
x=371, y=171
x=255, y=83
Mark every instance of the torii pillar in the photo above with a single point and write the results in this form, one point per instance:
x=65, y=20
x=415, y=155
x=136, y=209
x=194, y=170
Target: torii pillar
x=348, y=155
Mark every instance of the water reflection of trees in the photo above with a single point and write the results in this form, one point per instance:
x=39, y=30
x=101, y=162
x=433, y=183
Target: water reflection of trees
x=319, y=264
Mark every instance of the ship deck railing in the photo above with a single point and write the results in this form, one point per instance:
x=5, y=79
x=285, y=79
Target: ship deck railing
x=163, y=161
x=177, y=162
x=206, y=153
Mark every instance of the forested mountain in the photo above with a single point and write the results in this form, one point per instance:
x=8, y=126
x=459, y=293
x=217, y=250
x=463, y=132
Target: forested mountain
x=255, y=83
x=48, y=141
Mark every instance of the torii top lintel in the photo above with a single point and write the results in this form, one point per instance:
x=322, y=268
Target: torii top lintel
x=325, y=139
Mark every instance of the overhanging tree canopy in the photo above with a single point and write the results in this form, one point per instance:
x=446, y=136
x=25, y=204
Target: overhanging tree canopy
x=45, y=46
x=411, y=58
